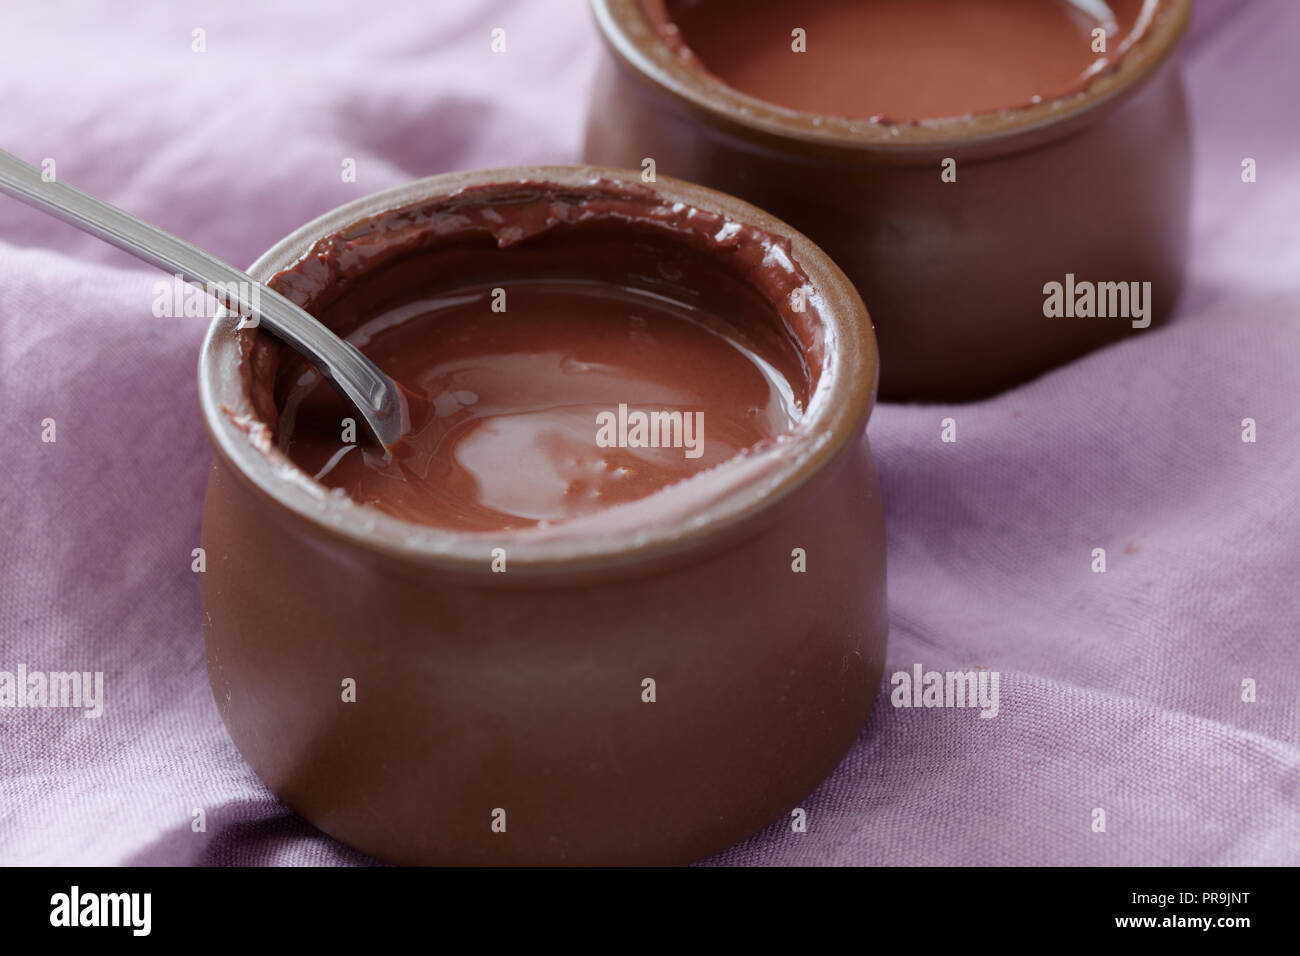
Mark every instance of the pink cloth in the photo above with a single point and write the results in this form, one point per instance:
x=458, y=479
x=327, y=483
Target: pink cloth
x=1119, y=690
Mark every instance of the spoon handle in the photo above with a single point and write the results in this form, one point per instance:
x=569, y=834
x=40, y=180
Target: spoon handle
x=374, y=394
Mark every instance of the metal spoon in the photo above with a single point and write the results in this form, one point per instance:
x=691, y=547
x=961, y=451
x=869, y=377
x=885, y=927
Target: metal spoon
x=376, y=396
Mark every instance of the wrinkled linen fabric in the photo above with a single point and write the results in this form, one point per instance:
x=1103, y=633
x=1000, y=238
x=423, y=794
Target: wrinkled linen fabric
x=1120, y=691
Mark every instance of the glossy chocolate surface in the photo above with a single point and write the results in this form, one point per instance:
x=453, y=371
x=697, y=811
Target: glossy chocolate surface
x=520, y=318
x=558, y=377
x=902, y=60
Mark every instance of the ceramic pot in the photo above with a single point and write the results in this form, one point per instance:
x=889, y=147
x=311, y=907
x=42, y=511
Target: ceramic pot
x=1095, y=186
x=502, y=718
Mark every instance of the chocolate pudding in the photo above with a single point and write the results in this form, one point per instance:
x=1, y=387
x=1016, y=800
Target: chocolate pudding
x=566, y=355
x=903, y=60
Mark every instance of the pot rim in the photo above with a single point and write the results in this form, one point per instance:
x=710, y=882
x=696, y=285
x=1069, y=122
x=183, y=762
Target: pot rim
x=637, y=43
x=836, y=413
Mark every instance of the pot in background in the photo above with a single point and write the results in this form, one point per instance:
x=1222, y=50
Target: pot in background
x=1094, y=185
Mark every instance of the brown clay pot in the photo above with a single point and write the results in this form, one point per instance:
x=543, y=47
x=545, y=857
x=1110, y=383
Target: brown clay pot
x=1095, y=185
x=522, y=692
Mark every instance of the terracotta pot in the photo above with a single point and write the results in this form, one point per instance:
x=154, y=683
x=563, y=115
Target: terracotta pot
x=1095, y=185
x=522, y=692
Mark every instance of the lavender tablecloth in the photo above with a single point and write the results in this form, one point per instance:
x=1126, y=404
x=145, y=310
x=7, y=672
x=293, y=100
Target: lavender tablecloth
x=1120, y=691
